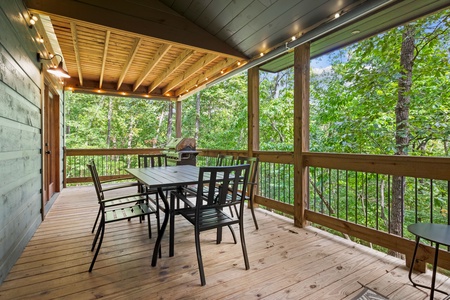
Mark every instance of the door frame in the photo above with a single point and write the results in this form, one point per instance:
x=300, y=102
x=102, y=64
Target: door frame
x=50, y=127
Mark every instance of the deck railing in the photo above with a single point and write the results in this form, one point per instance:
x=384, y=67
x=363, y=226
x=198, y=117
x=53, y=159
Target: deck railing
x=347, y=193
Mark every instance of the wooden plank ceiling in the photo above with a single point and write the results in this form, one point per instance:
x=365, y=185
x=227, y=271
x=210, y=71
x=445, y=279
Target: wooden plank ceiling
x=169, y=49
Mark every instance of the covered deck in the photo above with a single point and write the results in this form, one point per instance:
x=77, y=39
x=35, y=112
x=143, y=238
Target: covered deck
x=286, y=262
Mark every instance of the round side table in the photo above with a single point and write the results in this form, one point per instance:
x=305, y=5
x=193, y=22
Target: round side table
x=436, y=233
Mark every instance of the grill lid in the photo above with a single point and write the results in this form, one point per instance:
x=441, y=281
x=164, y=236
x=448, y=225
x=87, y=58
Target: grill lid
x=181, y=144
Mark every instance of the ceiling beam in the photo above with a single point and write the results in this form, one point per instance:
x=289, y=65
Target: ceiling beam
x=129, y=61
x=109, y=88
x=190, y=72
x=173, y=66
x=149, y=19
x=73, y=29
x=162, y=50
x=205, y=77
x=105, y=55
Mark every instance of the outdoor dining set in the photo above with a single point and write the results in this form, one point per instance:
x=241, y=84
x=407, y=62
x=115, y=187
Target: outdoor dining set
x=209, y=197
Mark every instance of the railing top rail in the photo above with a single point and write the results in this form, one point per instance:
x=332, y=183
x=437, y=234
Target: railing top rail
x=81, y=152
x=414, y=166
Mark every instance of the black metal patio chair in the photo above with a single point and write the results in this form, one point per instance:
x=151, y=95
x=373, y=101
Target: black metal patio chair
x=207, y=210
x=131, y=198
x=110, y=212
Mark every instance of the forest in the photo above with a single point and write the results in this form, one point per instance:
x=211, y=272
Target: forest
x=388, y=94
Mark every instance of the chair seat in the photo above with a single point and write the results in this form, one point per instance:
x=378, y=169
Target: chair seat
x=122, y=213
x=209, y=218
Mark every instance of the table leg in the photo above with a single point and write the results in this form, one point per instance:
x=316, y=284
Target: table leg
x=433, y=278
x=163, y=227
x=413, y=261
x=172, y=225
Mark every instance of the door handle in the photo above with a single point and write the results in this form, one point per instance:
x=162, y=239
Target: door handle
x=48, y=152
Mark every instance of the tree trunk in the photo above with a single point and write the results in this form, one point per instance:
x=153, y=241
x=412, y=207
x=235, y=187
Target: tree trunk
x=402, y=126
x=130, y=139
x=169, y=121
x=110, y=113
x=197, y=116
x=158, y=130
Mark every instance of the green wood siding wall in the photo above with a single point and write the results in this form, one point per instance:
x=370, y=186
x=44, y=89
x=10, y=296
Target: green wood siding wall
x=20, y=135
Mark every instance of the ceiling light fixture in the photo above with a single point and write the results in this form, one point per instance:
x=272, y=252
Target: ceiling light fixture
x=57, y=71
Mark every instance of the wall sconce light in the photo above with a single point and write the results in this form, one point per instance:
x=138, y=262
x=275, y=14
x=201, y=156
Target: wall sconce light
x=57, y=71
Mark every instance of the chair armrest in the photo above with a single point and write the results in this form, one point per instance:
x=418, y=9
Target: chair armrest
x=182, y=197
x=120, y=186
x=130, y=198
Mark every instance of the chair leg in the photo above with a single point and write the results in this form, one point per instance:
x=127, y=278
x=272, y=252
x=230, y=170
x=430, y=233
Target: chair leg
x=96, y=220
x=244, y=247
x=99, y=229
x=219, y=235
x=149, y=227
x=102, y=226
x=199, y=258
x=232, y=233
x=250, y=202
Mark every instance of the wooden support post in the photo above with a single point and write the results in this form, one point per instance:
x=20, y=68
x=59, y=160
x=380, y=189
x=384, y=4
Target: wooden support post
x=253, y=110
x=253, y=115
x=178, y=119
x=301, y=131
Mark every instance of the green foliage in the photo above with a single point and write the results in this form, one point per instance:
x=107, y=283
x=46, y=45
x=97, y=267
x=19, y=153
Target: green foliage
x=135, y=123
x=353, y=103
x=223, y=115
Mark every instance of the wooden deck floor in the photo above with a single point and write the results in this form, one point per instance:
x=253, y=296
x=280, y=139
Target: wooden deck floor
x=286, y=262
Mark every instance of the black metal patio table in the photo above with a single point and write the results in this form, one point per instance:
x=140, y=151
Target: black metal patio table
x=436, y=233
x=160, y=177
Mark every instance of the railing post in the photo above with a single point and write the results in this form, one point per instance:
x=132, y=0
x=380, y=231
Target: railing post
x=301, y=131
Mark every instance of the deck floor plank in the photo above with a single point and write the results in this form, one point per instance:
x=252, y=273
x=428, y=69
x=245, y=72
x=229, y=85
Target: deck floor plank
x=286, y=262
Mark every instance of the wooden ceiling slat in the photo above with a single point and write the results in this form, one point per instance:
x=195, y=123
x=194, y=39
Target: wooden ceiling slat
x=200, y=64
x=162, y=50
x=206, y=76
x=173, y=66
x=129, y=61
x=73, y=29
x=105, y=55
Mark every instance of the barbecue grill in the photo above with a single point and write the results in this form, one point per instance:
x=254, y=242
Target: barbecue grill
x=181, y=151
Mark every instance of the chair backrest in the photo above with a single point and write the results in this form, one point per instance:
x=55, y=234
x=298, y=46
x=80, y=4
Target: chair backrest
x=96, y=180
x=152, y=160
x=224, y=160
x=222, y=185
x=253, y=172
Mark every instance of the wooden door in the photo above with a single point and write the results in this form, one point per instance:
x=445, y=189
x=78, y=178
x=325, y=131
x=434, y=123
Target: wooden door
x=50, y=146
